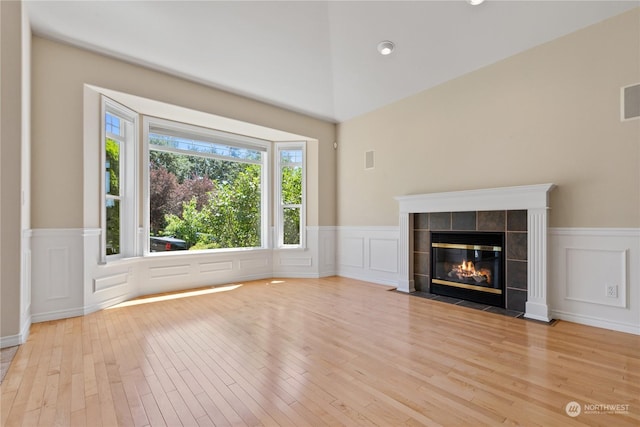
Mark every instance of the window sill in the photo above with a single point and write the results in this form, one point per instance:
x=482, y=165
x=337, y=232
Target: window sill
x=203, y=252
x=291, y=248
x=119, y=260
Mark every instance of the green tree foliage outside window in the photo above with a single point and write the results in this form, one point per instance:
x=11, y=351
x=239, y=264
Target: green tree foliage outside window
x=209, y=203
x=291, y=196
x=229, y=219
x=112, y=148
x=113, y=227
x=292, y=185
x=112, y=183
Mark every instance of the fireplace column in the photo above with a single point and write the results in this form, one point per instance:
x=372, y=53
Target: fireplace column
x=537, y=307
x=406, y=282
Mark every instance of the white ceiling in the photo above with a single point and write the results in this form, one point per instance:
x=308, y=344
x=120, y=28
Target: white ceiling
x=315, y=57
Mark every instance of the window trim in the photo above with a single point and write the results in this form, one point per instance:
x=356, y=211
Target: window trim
x=128, y=180
x=277, y=190
x=243, y=141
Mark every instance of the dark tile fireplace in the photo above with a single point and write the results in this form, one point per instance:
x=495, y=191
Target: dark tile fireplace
x=494, y=242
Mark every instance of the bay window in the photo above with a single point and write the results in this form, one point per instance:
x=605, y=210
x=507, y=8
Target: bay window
x=198, y=188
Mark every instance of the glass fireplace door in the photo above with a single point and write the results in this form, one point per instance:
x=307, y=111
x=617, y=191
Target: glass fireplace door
x=468, y=266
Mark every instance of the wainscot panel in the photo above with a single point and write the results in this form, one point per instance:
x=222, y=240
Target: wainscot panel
x=57, y=274
x=368, y=253
x=595, y=277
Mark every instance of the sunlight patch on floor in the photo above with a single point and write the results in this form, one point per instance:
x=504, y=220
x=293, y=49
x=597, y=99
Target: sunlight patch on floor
x=175, y=296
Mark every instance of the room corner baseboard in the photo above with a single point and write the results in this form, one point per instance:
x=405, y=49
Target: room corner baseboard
x=18, y=339
x=10, y=341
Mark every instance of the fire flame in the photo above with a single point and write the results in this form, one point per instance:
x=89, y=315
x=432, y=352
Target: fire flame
x=467, y=267
x=466, y=270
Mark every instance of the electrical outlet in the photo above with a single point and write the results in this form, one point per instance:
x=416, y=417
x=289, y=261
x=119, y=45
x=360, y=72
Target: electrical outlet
x=612, y=291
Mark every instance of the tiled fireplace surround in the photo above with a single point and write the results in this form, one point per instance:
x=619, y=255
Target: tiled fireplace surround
x=522, y=212
x=512, y=222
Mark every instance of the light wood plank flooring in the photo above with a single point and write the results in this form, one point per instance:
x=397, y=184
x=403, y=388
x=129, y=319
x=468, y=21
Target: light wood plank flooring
x=316, y=352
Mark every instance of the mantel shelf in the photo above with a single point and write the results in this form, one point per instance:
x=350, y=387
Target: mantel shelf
x=502, y=198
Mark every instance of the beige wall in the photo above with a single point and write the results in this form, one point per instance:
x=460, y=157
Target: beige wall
x=551, y=114
x=10, y=166
x=59, y=72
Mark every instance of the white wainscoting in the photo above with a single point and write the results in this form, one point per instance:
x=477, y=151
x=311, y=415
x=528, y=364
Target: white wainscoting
x=69, y=280
x=584, y=263
x=368, y=253
x=316, y=260
x=25, y=295
x=104, y=284
x=25, y=288
x=57, y=269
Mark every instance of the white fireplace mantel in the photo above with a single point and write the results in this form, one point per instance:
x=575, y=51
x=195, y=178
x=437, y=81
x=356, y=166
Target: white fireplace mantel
x=533, y=198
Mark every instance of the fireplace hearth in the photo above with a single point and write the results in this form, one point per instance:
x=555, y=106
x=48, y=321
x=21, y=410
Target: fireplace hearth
x=468, y=266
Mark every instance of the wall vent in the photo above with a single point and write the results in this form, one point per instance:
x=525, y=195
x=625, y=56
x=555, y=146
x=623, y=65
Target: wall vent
x=630, y=102
x=369, y=161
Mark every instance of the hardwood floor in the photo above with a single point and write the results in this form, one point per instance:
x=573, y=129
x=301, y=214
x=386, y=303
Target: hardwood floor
x=317, y=352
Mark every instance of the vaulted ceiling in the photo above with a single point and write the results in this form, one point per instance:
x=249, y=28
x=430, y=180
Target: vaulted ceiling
x=315, y=57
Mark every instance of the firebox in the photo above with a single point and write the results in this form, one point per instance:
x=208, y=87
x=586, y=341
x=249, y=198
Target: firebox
x=469, y=266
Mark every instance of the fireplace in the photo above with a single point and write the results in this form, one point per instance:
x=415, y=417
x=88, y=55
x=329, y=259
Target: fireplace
x=469, y=265
x=534, y=199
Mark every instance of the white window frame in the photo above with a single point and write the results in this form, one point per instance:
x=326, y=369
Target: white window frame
x=279, y=214
x=128, y=179
x=190, y=130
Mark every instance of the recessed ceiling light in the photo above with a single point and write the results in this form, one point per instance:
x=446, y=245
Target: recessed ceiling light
x=475, y=2
x=385, y=47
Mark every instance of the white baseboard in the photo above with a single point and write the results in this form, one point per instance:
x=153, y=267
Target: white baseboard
x=596, y=322
x=58, y=314
x=370, y=278
x=104, y=304
x=10, y=341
